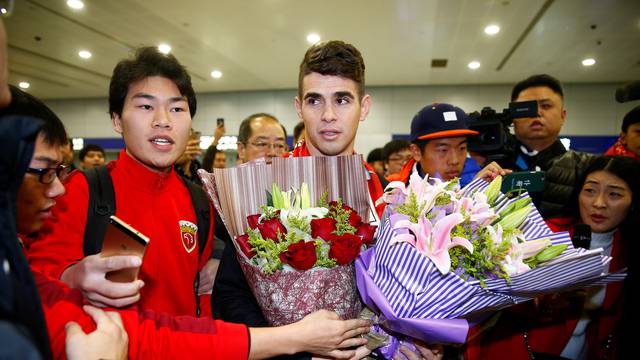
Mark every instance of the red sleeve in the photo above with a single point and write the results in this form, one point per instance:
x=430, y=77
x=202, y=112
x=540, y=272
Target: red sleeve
x=59, y=244
x=151, y=335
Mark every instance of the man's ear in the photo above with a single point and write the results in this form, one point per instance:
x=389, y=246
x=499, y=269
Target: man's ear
x=415, y=152
x=623, y=138
x=298, y=105
x=116, y=123
x=241, y=152
x=365, y=106
x=563, y=116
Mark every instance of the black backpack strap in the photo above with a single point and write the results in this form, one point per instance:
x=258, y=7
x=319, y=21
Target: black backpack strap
x=203, y=216
x=102, y=204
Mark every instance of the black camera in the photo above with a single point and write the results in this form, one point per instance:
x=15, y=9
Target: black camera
x=494, y=140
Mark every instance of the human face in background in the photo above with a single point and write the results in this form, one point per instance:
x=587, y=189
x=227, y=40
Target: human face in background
x=540, y=132
x=331, y=110
x=605, y=201
x=92, y=159
x=443, y=158
x=266, y=141
x=397, y=160
x=35, y=199
x=155, y=123
x=631, y=138
x=220, y=161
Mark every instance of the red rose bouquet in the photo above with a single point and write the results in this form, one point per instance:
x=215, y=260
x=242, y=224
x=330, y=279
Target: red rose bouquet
x=297, y=247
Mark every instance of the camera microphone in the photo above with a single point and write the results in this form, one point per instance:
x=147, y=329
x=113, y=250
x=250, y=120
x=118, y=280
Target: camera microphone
x=581, y=236
x=628, y=92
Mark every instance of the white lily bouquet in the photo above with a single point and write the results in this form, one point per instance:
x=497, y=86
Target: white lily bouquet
x=447, y=255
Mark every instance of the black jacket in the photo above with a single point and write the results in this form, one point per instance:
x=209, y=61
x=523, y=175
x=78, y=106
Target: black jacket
x=20, y=309
x=563, y=169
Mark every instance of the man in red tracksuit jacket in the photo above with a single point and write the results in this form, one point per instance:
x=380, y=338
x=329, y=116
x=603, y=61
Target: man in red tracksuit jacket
x=151, y=102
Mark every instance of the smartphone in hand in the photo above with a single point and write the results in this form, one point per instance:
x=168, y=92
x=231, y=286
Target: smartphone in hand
x=122, y=239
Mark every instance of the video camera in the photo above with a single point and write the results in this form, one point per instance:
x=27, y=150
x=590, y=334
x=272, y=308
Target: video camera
x=494, y=141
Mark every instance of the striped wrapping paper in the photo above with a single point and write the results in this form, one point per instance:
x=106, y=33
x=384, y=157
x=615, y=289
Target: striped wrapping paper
x=410, y=286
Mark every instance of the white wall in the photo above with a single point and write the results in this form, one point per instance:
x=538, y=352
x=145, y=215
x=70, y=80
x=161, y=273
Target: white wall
x=591, y=110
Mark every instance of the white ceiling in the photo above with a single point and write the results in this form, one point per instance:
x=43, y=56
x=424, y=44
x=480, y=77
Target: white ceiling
x=258, y=44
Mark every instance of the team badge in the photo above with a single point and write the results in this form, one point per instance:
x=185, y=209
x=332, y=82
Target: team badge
x=188, y=234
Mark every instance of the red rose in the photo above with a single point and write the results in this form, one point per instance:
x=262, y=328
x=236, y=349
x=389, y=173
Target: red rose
x=270, y=229
x=366, y=231
x=354, y=219
x=323, y=228
x=243, y=242
x=345, y=248
x=301, y=255
x=253, y=220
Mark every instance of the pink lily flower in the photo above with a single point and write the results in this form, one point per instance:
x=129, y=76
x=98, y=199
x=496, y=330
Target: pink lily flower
x=434, y=240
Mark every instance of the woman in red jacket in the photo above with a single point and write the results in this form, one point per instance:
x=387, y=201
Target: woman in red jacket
x=585, y=324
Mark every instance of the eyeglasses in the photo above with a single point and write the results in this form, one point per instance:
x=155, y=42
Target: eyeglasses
x=265, y=146
x=48, y=175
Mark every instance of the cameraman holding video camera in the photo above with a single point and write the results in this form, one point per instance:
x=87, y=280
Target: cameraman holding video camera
x=538, y=147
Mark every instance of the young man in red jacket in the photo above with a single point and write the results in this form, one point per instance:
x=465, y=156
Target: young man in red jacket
x=151, y=102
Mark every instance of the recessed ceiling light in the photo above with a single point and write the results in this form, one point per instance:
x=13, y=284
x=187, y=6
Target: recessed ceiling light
x=75, y=4
x=313, y=38
x=588, y=62
x=474, y=65
x=24, y=85
x=164, y=48
x=84, y=54
x=216, y=74
x=492, y=29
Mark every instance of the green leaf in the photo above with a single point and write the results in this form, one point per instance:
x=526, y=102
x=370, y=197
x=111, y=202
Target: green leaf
x=278, y=198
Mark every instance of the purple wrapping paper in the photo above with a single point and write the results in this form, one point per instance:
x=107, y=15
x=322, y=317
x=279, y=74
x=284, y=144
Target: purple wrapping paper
x=433, y=331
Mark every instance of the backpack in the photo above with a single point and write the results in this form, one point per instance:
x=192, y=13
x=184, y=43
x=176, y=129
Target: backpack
x=102, y=204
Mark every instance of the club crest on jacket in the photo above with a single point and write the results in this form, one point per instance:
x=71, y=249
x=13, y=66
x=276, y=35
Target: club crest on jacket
x=188, y=234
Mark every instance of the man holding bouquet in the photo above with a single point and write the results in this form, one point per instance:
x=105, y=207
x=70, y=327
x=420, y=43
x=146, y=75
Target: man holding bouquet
x=331, y=102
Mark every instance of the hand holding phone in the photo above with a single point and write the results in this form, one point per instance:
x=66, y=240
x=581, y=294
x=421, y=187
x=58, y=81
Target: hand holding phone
x=122, y=239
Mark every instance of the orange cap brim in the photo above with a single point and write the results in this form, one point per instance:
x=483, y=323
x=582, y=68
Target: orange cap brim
x=448, y=133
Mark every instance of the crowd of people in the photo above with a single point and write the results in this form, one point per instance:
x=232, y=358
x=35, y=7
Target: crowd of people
x=191, y=299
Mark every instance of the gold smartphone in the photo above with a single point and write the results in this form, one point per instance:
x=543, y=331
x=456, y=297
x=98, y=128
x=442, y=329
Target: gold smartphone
x=122, y=239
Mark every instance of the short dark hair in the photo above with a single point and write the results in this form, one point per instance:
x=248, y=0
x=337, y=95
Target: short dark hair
x=632, y=117
x=297, y=131
x=537, y=80
x=244, y=133
x=25, y=104
x=333, y=58
x=375, y=155
x=89, y=147
x=209, y=157
x=148, y=62
x=393, y=147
